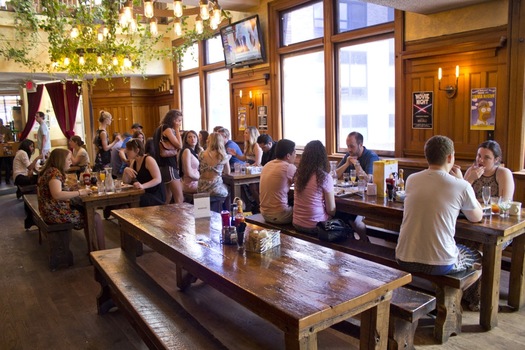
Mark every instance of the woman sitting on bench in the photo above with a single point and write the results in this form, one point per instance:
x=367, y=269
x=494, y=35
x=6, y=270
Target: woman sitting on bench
x=23, y=168
x=54, y=203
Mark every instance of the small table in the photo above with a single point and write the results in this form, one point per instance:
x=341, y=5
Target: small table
x=235, y=181
x=491, y=231
x=93, y=201
x=299, y=287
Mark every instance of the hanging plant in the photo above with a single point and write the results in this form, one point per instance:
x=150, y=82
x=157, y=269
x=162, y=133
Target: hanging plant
x=88, y=40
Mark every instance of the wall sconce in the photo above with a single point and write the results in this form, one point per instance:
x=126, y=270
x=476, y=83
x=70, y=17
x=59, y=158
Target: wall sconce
x=449, y=89
x=250, y=103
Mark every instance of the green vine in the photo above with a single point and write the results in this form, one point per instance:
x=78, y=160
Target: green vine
x=120, y=44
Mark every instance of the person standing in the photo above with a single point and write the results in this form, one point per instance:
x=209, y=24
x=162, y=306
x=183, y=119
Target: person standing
x=169, y=131
x=43, y=141
x=268, y=147
x=101, y=142
x=276, y=178
x=358, y=156
x=434, y=199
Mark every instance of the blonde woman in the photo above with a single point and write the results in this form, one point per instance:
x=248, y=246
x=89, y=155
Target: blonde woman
x=213, y=162
x=101, y=142
x=252, y=151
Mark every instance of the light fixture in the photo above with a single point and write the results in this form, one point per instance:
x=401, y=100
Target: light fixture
x=450, y=90
x=177, y=27
x=177, y=8
x=199, y=25
x=153, y=28
x=204, y=12
x=148, y=8
x=250, y=102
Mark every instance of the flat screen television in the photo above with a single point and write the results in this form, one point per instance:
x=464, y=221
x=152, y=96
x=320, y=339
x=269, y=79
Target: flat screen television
x=243, y=43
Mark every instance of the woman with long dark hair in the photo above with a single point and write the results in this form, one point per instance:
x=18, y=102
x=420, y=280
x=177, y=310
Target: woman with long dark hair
x=314, y=198
x=23, y=167
x=189, y=161
x=169, y=130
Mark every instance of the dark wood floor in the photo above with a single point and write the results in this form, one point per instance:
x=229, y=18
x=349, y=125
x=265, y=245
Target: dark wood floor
x=40, y=309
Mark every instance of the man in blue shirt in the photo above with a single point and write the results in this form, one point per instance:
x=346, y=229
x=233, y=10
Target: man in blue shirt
x=230, y=144
x=357, y=157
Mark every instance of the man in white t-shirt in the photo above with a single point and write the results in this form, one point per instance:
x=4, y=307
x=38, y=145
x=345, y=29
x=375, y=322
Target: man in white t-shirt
x=434, y=199
x=276, y=178
x=43, y=141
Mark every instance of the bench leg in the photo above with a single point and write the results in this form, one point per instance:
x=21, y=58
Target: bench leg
x=59, y=252
x=104, y=300
x=401, y=333
x=449, y=314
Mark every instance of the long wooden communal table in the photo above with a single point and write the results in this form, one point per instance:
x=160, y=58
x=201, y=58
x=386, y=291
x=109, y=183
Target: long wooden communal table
x=299, y=287
x=235, y=181
x=128, y=195
x=491, y=231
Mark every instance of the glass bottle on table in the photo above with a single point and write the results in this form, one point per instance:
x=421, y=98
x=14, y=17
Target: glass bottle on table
x=400, y=180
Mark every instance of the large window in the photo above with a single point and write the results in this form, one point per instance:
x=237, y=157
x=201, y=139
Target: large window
x=366, y=76
x=362, y=72
x=303, y=98
x=208, y=70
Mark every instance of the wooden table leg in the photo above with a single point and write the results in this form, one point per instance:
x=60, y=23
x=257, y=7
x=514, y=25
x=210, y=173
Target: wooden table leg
x=517, y=273
x=292, y=342
x=374, y=326
x=89, y=228
x=490, y=282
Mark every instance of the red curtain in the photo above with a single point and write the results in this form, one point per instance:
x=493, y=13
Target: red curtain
x=66, y=116
x=33, y=102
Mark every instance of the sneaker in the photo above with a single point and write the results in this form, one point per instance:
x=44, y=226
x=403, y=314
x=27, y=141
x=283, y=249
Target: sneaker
x=28, y=222
x=18, y=193
x=106, y=212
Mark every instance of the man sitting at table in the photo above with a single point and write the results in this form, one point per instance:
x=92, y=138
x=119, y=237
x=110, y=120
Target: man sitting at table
x=230, y=144
x=276, y=178
x=358, y=156
x=268, y=146
x=434, y=198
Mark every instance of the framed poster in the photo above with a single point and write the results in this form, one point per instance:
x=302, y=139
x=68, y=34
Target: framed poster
x=483, y=109
x=422, y=117
x=262, y=117
x=241, y=117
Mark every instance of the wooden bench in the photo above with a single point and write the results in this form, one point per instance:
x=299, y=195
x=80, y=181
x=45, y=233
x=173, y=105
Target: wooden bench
x=448, y=288
x=159, y=320
x=21, y=190
x=58, y=235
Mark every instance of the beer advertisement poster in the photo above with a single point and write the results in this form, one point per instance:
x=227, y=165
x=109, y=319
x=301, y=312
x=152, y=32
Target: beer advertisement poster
x=483, y=109
x=422, y=117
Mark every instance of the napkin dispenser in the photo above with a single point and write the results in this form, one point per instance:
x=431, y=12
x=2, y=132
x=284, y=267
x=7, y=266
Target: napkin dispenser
x=382, y=171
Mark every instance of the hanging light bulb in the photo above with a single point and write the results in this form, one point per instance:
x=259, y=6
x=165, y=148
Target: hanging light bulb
x=205, y=14
x=127, y=62
x=148, y=8
x=153, y=28
x=217, y=14
x=100, y=35
x=177, y=27
x=199, y=26
x=213, y=24
x=105, y=31
x=115, y=61
x=81, y=59
x=122, y=20
x=66, y=61
x=128, y=10
x=99, y=59
x=74, y=33
x=177, y=8
x=132, y=26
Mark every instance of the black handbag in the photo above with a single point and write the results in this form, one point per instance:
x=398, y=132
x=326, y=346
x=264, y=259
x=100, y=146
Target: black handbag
x=332, y=230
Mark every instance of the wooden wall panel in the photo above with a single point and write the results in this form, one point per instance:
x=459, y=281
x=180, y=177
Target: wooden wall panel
x=482, y=65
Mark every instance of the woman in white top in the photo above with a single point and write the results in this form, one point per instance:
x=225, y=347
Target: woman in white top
x=79, y=157
x=22, y=166
x=189, y=161
x=252, y=151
